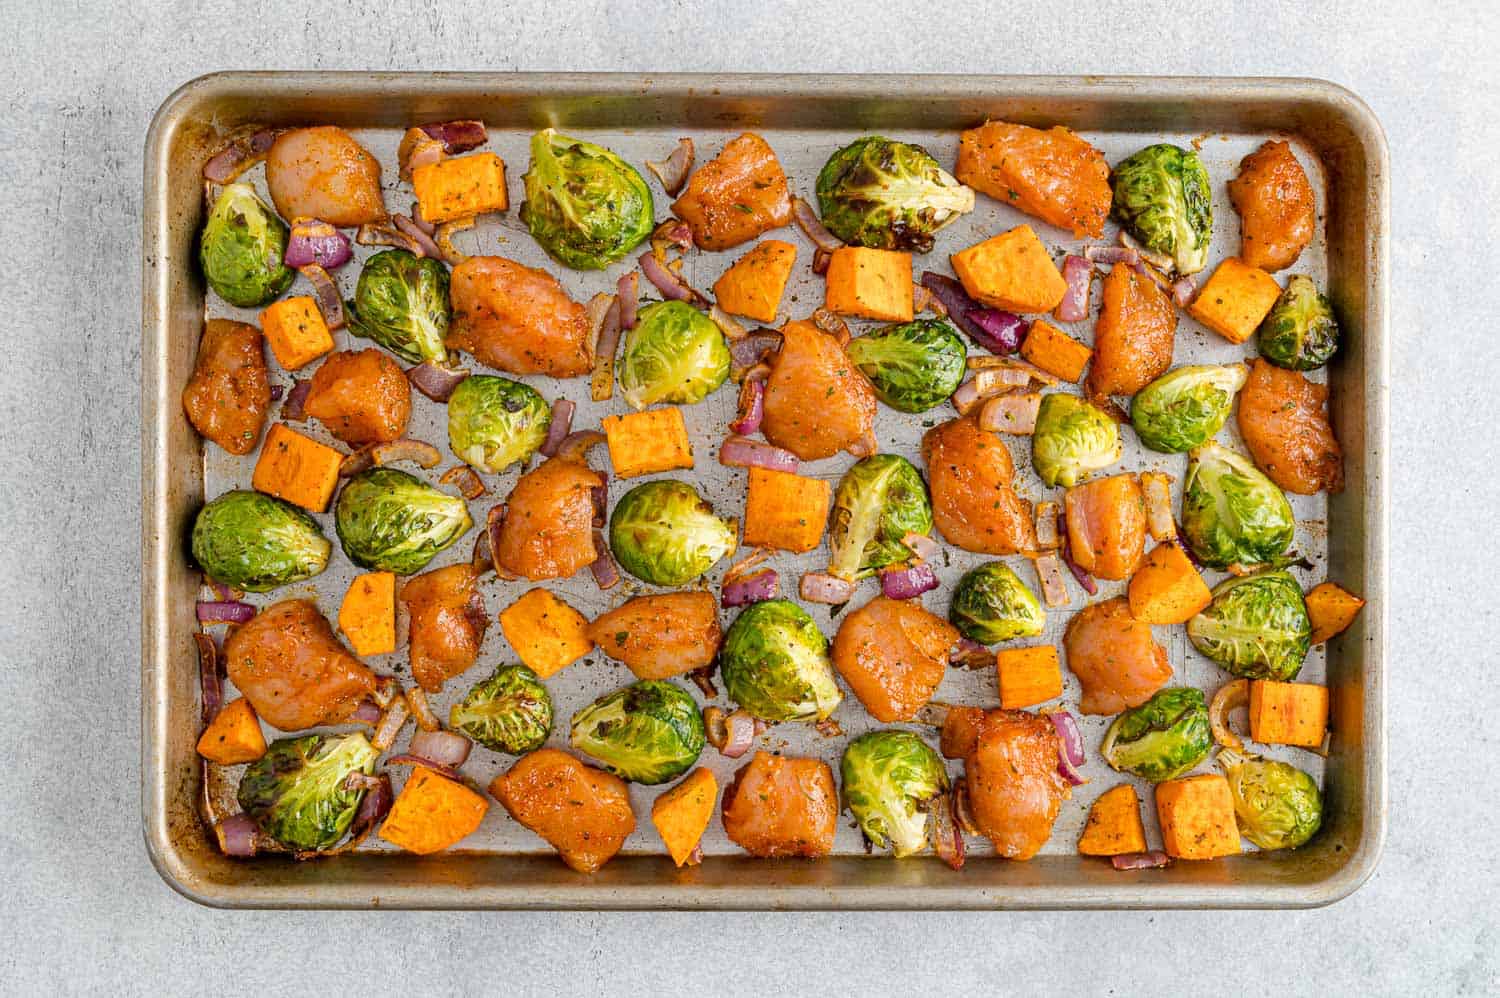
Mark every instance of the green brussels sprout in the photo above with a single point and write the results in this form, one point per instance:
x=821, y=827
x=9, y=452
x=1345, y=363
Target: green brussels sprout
x=241, y=249
x=1162, y=738
x=495, y=422
x=393, y=522
x=649, y=732
x=256, y=542
x=1256, y=627
x=991, y=604
x=1231, y=513
x=401, y=302
x=775, y=664
x=1300, y=332
x=879, y=501
x=886, y=194
x=914, y=365
x=585, y=205
x=1072, y=440
x=509, y=712
x=1185, y=407
x=296, y=793
x=674, y=354
x=1162, y=196
x=664, y=533
x=890, y=779
x=1276, y=805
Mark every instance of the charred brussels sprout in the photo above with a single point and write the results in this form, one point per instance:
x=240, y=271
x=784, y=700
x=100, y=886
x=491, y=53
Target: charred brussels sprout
x=1300, y=332
x=1231, y=513
x=913, y=366
x=890, y=779
x=674, y=354
x=1072, y=440
x=1256, y=627
x=1162, y=738
x=664, y=533
x=1185, y=407
x=296, y=793
x=495, y=422
x=886, y=194
x=401, y=302
x=648, y=732
x=775, y=664
x=991, y=604
x=879, y=501
x=393, y=522
x=241, y=249
x=1276, y=805
x=254, y=542
x=1162, y=196
x=509, y=712
x=585, y=205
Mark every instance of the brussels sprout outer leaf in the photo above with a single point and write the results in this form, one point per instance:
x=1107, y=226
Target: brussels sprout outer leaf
x=401, y=302
x=1256, y=627
x=585, y=205
x=663, y=533
x=511, y=711
x=991, y=604
x=914, y=365
x=890, y=778
x=256, y=542
x=296, y=793
x=649, y=732
x=495, y=422
x=1300, y=332
x=878, y=502
x=1185, y=407
x=674, y=354
x=395, y=522
x=1162, y=196
x=1161, y=739
x=775, y=664
x=242, y=247
x=1276, y=805
x=1231, y=512
x=884, y=194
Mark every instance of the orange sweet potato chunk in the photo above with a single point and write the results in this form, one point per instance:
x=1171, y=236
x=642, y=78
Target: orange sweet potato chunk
x=1114, y=827
x=297, y=469
x=1235, y=300
x=682, y=814
x=1055, y=352
x=1197, y=817
x=368, y=614
x=1332, y=609
x=785, y=511
x=546, y=633
x=1028, y=676
x=234, y=735
x=1167, y=589
x=753, y=286
x=1012, y=271
x=870, y=284
x=1288, y=713
x=461, y=187
x=432, y=813
x=296, y=331
x=641, y=443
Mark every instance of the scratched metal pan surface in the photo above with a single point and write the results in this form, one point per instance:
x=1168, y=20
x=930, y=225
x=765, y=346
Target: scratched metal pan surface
x=503, y=865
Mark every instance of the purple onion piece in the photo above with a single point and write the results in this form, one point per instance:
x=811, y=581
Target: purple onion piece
x=224, y=612
x=753, y=588
x=909, y=582
x=560, y=427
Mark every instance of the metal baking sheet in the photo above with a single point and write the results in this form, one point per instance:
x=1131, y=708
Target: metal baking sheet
x=804, y=119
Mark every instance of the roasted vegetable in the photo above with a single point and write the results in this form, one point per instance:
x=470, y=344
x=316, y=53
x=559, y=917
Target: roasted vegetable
x=869, y=284
x=775, y=664
x=886, y=194
x=674, y=354
x=664, y=533
x=1276, y=805
x=1235, y=299
x=367, y=616
x=233, y=736
x=296, y=332
x=1011, y=271
x=913, y=366
x=401, y=302
x=1167, y=588
x=586, y=206
x=1231, y=513
x=254, y=542
x=643, y=443
x=991, y=604
x=432, y=813
x=1028, y=676
x=296, y=793
x=681, y=815
x=510, y=711
x=878, y=502
x=1114, y=827
x=297, y=468
x=785, y=511
x=889, y=781
x=389, y=520
x=1300, y=332
x=1162, y=738
x=1072, y=440
x=1256, y=627
x=1332, y=609
x=241, y=249
x=1162, y=196
x=495, y=422
x=649, y=732
x=1196, y=814
x=546, y=633
x=1185, y=407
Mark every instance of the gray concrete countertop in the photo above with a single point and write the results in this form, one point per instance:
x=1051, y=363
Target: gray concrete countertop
x=86, y=912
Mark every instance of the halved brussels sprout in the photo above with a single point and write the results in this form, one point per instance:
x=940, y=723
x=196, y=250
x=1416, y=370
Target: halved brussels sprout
x=664, y=533
x=296, y=793
x=1300, y=332
x=1276, y=805
x=886, y=194
x=649, y=732
x=1072, y=440
x=1231, y=513
x=991, y=604
x=914, y=365
x=1162, y=196
x=775, y=664
x=393, y=522
x=1185, y=407
x=509, y=712
x=890, y=779
x=674, y=354
x=586, y=206
x=1256, y=627
x=1162, y=738
x=879, y=501
x=401, y=302
x=495, y=422
x=256, y=542
x=241, y=249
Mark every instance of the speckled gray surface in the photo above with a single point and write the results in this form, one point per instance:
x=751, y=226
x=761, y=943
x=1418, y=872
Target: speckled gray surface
x=84, y=909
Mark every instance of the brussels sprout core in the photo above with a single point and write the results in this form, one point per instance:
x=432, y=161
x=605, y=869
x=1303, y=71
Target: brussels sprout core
x=495, y=422
x=888, y=195
x=1162, y=196
x=648, y=732
x=913, y=366
x=664, y=533
x=775, y=664
x=241, y=249
x=890, y=778
x=1161, y=739
x=586, y=206
x=879, y=501
x=296, y=793
x=674, y=354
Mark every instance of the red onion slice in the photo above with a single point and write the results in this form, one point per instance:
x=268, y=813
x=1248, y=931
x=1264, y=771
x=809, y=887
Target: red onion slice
x=238, y=836
x=244, y=151
x=673, y=171
x=443, y=237
x=422, y=239
x=821, y=259
x=412, y=759
x=417, y=149
x=753, y=588
x=606, y=339
x=970, y=655
x=359, y=460
x=326, y=292
x=921, y=545
x=669, y=284
x=1227, y=699
x=963, y=808
x=422, y=223
x=703, y=678
x=366, y=712
x=1143, y=255
x=434, y=380
x=1066, y=552
x=1049, y=571
x=210, y=677
x=947, y=838
x=1047, y=526
x=421, y=710
x=576, y=445
x=923, y=300
x=224, y=612
x=380, y=234
x=419, y=452
x=446, y=748
x=1159, y=520
x=674, y=232
x=731, y=329
x=391, y=723
x=560, y=427
x=1182, y=291
x=739, y=452
x=1111, y=254
x=457, y=136
x=493, y=521
x=628, y=294
x=1070, y=755
x=813, y=228
x=373, y=808
x=465, y=480
x=820, y=587
x=606, y=573
x=315, y=241
x=909, y=582
x=599, y=497
x=1140, y=860
x=998, y=332
x=277, y=391
x=747, y=354
x=1077, y=273
x=739, y=734
x=833, y=324
x=1015, y=414
x=752, y=408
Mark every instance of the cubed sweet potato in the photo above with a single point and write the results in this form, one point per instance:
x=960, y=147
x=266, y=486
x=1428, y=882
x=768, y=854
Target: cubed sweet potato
x=368, y=614
x=1167, y=589
x=1055, y=352
x=870, y=283
x=1332, y=609
x=546, y=633
x=296, y=331
x=753, y=286
x=1028, y=676
x=785, y=511
x=641, y=443
x=1235, y=300
x=1012, y=271
x=1114, y=827
x=432, y=813
x=460, y=187
x=1197, y=817
x=297, y=469
x=1288, y=713
x=233, y=736
x=682, y=814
